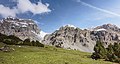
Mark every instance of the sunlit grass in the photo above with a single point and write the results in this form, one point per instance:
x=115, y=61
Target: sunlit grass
x=46, y=55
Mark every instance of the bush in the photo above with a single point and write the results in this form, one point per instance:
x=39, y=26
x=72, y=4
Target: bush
x=39, y=44
x=32, y=43
x=8, y=41
x=27, y=42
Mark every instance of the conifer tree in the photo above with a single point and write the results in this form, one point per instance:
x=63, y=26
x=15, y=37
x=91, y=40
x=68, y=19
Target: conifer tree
x=100, y=51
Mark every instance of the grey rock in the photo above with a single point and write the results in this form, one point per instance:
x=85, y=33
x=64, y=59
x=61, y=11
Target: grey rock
x=22, y=28
x=6, y=48
x=71, y=38
x=83, y=40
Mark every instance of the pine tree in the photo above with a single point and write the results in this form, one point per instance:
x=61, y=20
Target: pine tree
x=100, y=51
x=116, y=49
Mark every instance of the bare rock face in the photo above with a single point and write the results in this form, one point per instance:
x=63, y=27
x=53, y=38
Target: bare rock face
x=20, y=27
x=70, y=37
x=109, y=27
x=106, y=33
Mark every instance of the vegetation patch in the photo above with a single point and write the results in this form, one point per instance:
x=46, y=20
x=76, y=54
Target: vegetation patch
x=111, y=53
x=13, y=40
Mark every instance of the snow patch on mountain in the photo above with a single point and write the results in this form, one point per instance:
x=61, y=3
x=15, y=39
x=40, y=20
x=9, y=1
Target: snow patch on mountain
x=69, y=25
x=102, y=29
x=42, y=34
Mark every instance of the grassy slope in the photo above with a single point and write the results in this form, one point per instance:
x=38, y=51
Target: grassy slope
x=47, y=55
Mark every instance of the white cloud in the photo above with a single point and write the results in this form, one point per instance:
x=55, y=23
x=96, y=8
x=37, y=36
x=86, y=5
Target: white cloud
x=6, y=11
x=24, y=6
x=99, y=9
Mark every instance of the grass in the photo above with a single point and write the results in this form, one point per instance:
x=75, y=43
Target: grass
x=46, y=55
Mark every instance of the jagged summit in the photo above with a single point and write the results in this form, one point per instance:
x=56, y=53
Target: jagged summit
x=69, y=25
x=75, y=38
x=109, y=27
x=70, y=37
x=23, y=28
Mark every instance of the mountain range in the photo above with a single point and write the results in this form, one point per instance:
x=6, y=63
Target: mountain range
x=68, y=36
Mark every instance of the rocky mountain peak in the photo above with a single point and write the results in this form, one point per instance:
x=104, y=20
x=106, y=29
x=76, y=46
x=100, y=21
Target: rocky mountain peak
x=23, y=28
x=71, y=37
x=109, y=27
x=69, y=25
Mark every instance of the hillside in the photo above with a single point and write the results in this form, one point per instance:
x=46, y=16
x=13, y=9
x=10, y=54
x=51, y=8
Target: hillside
x=46, y=55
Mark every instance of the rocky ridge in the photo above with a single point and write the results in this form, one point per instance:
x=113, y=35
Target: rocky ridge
x=68, y=36
x=74, y=38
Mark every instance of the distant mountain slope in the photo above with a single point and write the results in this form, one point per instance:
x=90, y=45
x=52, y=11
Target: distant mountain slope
x=71, y=37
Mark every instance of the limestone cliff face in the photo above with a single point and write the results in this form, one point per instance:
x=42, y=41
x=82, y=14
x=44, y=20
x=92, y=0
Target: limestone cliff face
x=21, y=28
x=109, y=27
x=71, y=37
x=106, y=33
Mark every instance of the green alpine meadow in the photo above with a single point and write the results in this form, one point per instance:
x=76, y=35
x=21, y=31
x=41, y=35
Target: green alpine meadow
x=46, y=55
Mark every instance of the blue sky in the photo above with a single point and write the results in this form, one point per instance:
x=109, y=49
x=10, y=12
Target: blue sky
x=52, y=14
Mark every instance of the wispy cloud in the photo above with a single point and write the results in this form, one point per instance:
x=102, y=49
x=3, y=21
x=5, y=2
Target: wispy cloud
x=97, y=8
x=24, y=6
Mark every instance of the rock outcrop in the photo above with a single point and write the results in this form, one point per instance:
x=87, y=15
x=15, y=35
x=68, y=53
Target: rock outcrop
x=70, y=37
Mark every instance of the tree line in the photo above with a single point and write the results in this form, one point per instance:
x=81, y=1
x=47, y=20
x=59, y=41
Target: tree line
x=13, y=40
x=111, y=53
